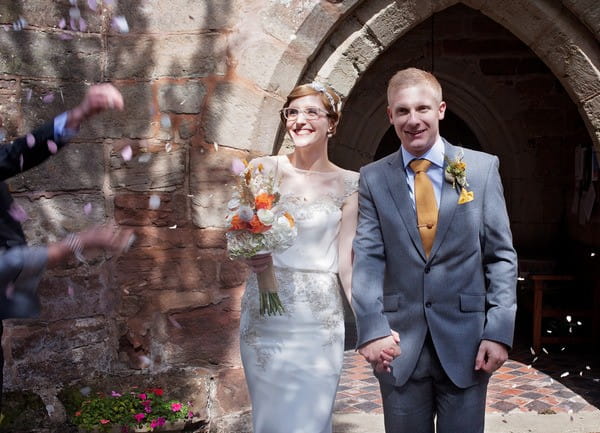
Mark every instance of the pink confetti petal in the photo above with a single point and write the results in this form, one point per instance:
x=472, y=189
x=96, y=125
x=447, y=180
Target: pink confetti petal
x=168, y=147
x=17, y=212
x=70, y=291
x=175, y=323
x=48, y=98
x=73, y=24
x=126, y=153
x=30, y=140
x=65, y=36
x=87, y=209
x=20, y=24
x=82, y=25
x=21, y=161
x=93, y=5
x=62, y=23
x=52, y=147
x=154, y=202
x=119, y=23
x=10, y=291
x=237, y=166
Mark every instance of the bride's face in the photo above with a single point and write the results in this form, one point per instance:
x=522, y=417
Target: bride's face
x=307, y=121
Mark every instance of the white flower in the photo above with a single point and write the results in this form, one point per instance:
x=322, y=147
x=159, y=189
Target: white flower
x=246, y=213
x=265, y=216
x=233, y=204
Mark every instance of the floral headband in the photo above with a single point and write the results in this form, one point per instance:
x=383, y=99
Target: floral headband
x=322, y=89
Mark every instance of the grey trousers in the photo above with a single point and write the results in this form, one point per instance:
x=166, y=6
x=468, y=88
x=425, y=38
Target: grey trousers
x=430, y=395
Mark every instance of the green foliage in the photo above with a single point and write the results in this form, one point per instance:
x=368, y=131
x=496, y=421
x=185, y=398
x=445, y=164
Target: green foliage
x=101, y=412
x=22, y=410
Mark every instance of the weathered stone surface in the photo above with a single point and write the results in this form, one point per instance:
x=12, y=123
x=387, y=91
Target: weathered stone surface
x=139, y=119
x=171, y=55
x=238, y=422
x=181, y=98
x=47, y=14
x=164, y=172
x=386, y=20
x=587, y=11
x=42, y=54
x=232, y=392
x=136, y=210
x=209, y=204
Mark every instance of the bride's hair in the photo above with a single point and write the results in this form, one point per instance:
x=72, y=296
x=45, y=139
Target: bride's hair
x=330, y=99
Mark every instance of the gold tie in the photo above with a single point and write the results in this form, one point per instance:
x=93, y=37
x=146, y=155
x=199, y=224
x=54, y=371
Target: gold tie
x=427, y=211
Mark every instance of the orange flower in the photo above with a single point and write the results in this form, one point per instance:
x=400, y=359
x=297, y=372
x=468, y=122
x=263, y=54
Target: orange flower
x=237, y=223
x=264, y=201
x=256, y=226
x=290, y=218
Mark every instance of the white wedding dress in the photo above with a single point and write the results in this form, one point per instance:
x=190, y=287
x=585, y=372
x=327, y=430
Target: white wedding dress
x=293, y=362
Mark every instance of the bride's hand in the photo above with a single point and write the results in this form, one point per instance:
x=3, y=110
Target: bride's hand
x=259, y=262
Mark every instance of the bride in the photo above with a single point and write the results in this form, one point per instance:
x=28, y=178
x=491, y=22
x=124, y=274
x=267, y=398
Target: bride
x=293, y=361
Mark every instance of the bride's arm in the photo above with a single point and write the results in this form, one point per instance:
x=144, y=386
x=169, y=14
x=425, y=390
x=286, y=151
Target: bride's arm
x=346, y=236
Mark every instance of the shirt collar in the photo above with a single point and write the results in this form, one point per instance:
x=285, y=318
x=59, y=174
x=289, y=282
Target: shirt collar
x=435, y=154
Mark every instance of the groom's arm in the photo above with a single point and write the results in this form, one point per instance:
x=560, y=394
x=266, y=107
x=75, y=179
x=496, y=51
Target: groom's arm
x=368, y=274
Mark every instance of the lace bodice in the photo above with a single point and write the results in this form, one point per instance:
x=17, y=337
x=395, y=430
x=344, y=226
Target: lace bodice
x=315, y=199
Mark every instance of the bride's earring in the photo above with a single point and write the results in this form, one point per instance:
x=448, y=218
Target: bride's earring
x=330, y=132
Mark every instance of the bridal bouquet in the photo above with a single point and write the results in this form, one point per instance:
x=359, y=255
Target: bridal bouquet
x=257, y=223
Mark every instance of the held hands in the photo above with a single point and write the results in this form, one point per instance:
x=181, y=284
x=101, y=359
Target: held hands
x=259, y=262
x=381, y=352
x=490, y=356
x=98, y=98
x=107, y=238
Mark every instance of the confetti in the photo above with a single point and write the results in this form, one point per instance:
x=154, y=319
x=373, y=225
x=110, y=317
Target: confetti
x=74, y=13
x=70, y=291
x=62, y=23
x=50, y=409
x=569, y=319
x=87, y=209
x=165, y=121
x=65, y=37
x=237, y=166
x=20, y=24
x=144, y=158
x=154, y=202
x=593, y=255
x=534, y=359
x=73, y=24
x=120, y=24
x=587, y=367
x=48, y=98
x=2, y=134
x=520, y=279
x=565, y=374
x=514, y=385
x=30, y=139
x=82, y=25
x=9, y=292
x=174, y=322
x=21, y=161
x=168, y=147
x=544, y=350
x=93, y=5
x=579, y=323
x=52, y=147
x=216, y=146
x=17, y=212
x=85, y=391
x=174, y=226
x=531, y=350
x=549, y=331
x=126, y=153
x=144, y=361
x=562, y=349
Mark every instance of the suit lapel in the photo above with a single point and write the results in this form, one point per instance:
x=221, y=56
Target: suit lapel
x=448, y=202
x=395, y=175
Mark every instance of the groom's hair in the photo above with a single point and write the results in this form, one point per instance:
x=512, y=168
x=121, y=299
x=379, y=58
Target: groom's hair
x=411, y=77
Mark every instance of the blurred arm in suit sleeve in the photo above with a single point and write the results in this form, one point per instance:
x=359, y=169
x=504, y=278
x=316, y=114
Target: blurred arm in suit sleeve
x=500, y=268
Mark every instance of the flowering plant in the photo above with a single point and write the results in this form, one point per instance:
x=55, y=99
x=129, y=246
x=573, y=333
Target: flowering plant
x=259, y=223
x=456, y=174
x=130, y=410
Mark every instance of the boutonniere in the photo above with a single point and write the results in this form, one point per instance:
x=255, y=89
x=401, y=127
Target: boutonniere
x=456, y=174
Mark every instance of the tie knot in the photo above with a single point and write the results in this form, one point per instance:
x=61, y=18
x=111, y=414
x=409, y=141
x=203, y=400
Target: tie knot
x=419, y=165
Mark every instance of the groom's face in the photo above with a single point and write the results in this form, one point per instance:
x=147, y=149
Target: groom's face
x=415, y=113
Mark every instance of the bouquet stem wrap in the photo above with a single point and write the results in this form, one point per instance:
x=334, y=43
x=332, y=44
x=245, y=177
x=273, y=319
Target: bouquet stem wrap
x=270, y=303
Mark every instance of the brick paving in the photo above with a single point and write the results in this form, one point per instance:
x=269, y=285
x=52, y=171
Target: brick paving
x=525, y=383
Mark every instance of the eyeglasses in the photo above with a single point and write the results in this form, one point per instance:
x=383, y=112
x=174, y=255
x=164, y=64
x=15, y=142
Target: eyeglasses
x=310, y=113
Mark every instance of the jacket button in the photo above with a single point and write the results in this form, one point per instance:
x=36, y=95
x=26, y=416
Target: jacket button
x=428, y=304
x=427, y=269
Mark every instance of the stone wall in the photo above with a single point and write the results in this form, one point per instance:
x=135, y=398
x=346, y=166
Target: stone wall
x=203, y=82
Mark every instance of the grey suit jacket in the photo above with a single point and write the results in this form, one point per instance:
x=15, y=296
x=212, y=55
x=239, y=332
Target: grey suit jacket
x=463, y=293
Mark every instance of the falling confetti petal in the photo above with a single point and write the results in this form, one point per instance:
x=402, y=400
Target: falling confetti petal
x=587, y=367
x=30, y=140
x=154, y=202
x=65, y=37
x=529, y=366
x=165, y=121
x=85, y=391
x=48, y=98
x=168, y=147
x=93, y=5
x=570, y=329
x=569, y=319
x=562, y=349
x=21, y=161
x=216, y=146
x=175, y=323
x=544, y=350
x=144, y=158
x=120, y=24
x=534, y=359
x=514, y=385
x=520, y=279
x=52, y=147
x=592, y=254
x=50, y=409
x=62, y=23
x=532, y=351
x=9, y=292
x=82, y=25
x=20, y=24
x=549, y=331
x=126, y=153
x=109, y=2
x=174, y=226
x=2, y=134
x=581, y=373
x=17, y=212
x=75, y=13
x=237, y=166
x=70, y=291
x=87, y=209
x=73, y=24
x=579, y=323
x=565, y=374
x=144, y=361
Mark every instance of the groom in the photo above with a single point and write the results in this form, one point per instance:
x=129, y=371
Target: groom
x=434, y=262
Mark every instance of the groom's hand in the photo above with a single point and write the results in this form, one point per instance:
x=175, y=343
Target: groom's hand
x=491, y=356
x=380, y=349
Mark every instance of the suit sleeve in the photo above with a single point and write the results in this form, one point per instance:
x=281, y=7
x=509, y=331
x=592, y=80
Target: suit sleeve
x=499, y=262
x=368, y=270
x=20, y=155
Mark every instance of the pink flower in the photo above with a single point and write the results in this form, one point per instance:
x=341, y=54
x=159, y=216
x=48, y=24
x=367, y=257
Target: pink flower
x=104, y=421
x=147, y=408
x=142, y=396
x=190, y=414
x=158, y=422
x=139, y=417
x=115, y=394
x=176, y=407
